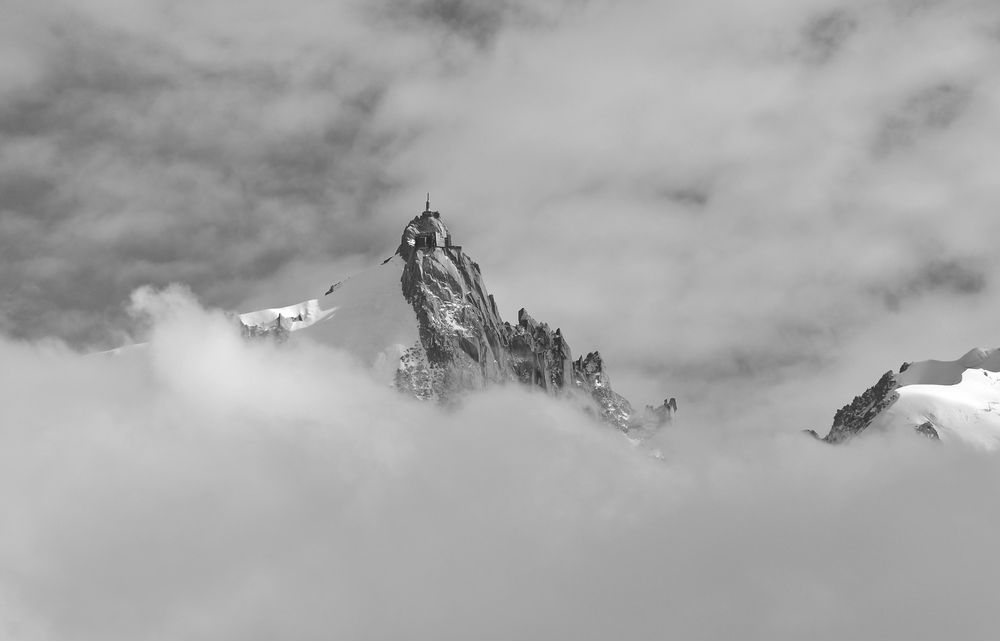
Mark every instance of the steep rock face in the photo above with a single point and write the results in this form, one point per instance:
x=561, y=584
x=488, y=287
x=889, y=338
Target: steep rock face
x=858, y=415
x=425, y=321
x=463, y=338
x=465, y=344
x=590, y=375
x=539, y=355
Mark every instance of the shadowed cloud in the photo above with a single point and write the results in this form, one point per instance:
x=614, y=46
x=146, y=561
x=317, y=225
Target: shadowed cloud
x=826, y=34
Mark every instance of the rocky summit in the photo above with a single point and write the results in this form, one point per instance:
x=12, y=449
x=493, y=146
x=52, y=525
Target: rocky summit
x=425, y=320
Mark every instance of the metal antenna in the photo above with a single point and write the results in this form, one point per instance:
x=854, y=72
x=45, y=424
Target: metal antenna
x=428, y=202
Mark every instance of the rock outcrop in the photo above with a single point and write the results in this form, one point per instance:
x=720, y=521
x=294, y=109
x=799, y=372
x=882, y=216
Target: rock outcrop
x=425, y=321
x=927, y=429
x=589, y=375
x=857, y=415
x=956, y=401
x=276, y=331
x=465, y=345
x=463, y=341
x=539, y=355
x=662, y=414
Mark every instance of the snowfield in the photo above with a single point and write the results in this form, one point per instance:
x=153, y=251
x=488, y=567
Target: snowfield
x=950, y=372
x=960, y=399
x=294, y=317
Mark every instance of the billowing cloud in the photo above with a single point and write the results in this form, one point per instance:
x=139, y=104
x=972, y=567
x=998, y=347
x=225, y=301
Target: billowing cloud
x=207, y=488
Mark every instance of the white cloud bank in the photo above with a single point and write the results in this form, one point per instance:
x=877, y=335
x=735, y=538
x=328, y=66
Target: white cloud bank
x=207, y=489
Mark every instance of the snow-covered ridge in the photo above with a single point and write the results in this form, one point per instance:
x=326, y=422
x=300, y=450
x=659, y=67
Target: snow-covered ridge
x=933, y=372
x=953, y=401
x=293, y=317
x=967, y=411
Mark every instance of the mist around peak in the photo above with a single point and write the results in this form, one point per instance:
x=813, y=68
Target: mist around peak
x=212, y=488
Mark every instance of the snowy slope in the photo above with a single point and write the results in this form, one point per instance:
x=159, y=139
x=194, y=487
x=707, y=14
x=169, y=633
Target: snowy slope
x=294, y=317
x=949, y=372
x=966, y=412
x=365, y=314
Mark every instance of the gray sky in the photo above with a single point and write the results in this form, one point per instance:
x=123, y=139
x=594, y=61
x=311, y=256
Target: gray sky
x=773, y=202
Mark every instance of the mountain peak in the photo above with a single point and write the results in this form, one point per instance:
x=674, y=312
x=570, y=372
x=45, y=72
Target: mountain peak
x=426, y=316
x=947, y=400
x=425, y=232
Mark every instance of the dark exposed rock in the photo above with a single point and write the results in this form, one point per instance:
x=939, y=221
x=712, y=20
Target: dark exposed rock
x=276, y=331
x=927, y=429
x=464, y=343
x=539, y=355
x=663, y=414
x=590, y=375
x=905, y=366
x=856, y=416
x=461, y=333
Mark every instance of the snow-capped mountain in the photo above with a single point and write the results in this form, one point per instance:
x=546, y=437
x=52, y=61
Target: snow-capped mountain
x=426, y=323
x=957, y=401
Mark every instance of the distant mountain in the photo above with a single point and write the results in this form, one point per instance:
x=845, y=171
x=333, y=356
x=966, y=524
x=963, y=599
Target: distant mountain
x=425, y=322
x=952, y=401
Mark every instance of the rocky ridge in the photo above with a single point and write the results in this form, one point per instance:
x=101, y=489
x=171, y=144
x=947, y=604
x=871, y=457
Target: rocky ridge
x=425, y=319
x=858, y=415
x=953, y=401
x=466, y=345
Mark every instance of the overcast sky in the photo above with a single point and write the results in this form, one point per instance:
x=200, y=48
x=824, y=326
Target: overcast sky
x=782, y=198
x=755, y=207
x=712, y=193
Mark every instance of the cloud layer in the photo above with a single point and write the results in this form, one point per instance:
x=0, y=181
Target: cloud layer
x=783, y=199
x=207, y=489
